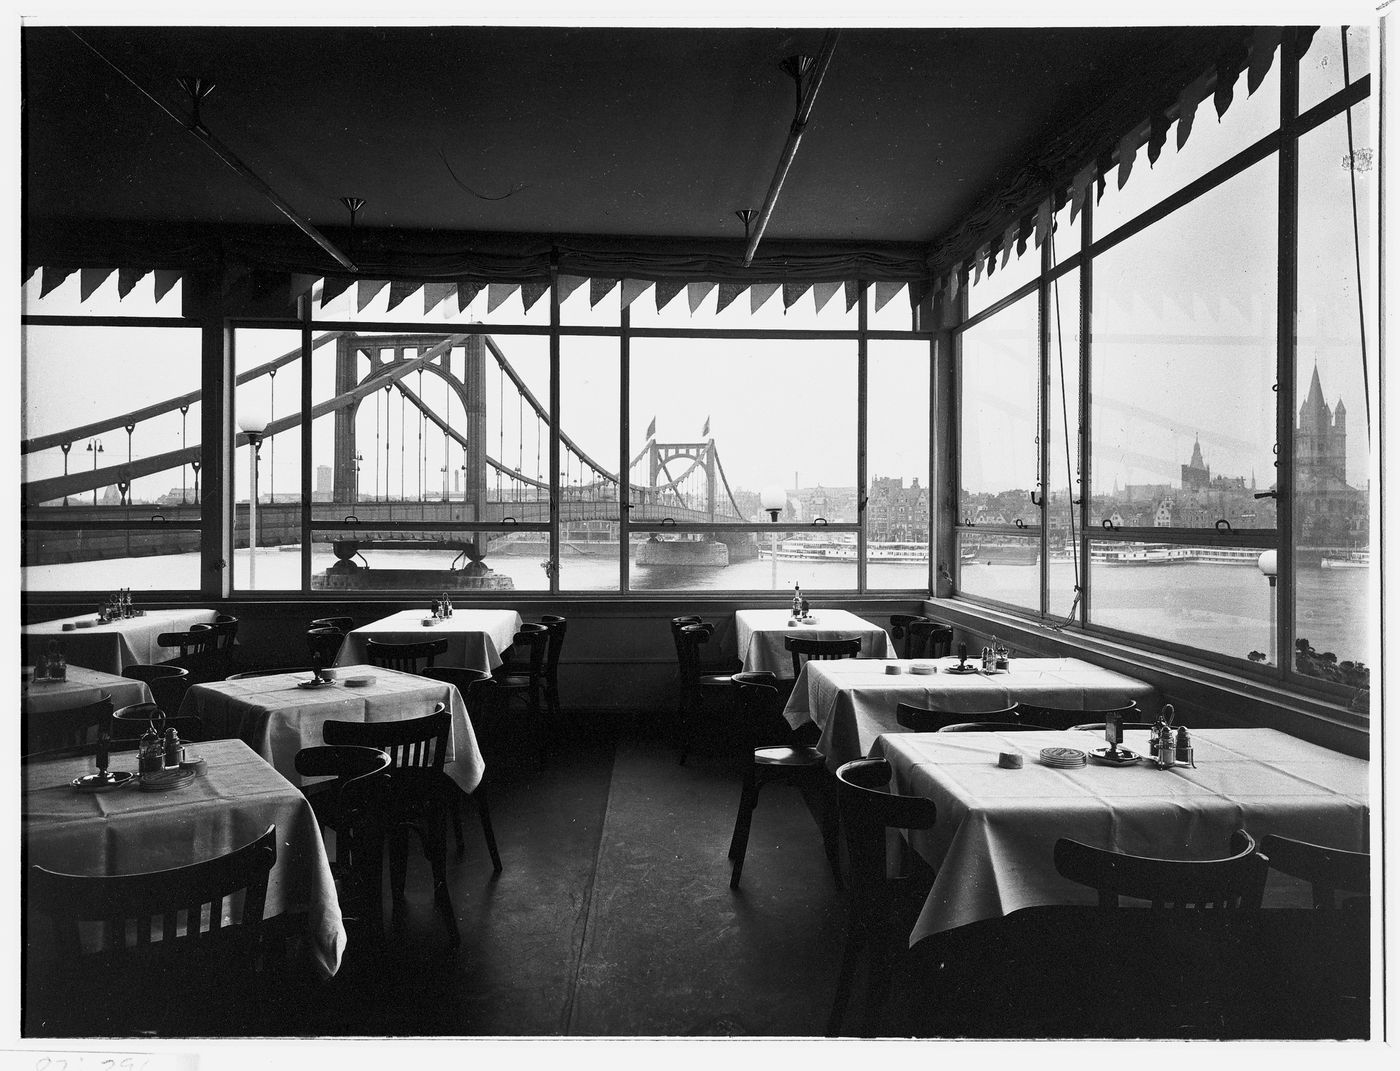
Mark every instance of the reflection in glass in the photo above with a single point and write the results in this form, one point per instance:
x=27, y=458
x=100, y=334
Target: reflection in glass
x=768, y=560
x=897, y=501
x=1003, y=568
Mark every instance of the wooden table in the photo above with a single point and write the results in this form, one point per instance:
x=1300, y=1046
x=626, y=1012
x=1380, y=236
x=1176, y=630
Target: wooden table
x=82, y=686
x=476, y=639
x=230, y=804
x=113, y=646
x=759, y=635
x=277, y=718
x=993, y=843
x=853, y=701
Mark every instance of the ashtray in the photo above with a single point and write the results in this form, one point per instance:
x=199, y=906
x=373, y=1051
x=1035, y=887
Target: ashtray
x=1108, y=757
x=969, y=668
x=894, y=670
x=103, y=781
x=359, y=682
x=314, y=684
x=166, y=779
x=922, y=670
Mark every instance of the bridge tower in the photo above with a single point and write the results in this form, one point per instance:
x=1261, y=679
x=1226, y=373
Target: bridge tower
x=383, y=353
x=703, y=453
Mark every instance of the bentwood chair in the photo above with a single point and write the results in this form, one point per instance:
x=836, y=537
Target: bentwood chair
x=419, y=796
x=1068, y=718
x=880, y=909
x=697, y=680
x=558, y=629
x=225, y=637
x=188, y=979
x=345, y=624
x=70, y=727
x=406, y=657
x=168, y=684
x=131, y=721
x=804, y=648
x=1328, y=870
x=927, y=720
x=1235, y=882
x=248, y=674
x=198, y=653
x=923, y=637
x=324, y=644
x=993, y=727
x=523, y=678
x=804, y=768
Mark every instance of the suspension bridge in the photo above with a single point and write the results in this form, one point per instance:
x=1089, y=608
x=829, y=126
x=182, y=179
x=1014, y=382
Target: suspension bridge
x=431, y=436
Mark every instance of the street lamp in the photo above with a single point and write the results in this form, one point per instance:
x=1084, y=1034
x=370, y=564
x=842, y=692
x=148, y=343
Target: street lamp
x=252, y=421
x=1268, y=565
x=94, y=447
x=358, y=459
x=774, y=500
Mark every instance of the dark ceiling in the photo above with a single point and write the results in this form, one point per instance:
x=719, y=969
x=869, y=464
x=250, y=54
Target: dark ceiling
x=660, y=132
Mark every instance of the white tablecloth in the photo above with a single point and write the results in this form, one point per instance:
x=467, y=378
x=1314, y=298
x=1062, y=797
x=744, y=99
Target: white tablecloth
x=118, y=644
x=760, y=635
x=993, y=844
x=81, y=687
x=232, y=803
x=475, y=638
x=853, y=700
x=276, y=718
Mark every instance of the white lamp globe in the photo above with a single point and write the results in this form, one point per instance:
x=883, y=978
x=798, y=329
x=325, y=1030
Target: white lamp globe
x=1268, y=563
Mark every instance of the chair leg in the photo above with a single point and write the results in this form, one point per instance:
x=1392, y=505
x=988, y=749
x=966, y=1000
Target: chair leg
x=398, y=865
x=739, y=843
x=483, y=808
x=457, y=825
x=850, y=956
x=435, y=843
x=831, y=828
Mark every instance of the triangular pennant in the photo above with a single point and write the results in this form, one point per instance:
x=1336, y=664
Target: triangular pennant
x=696, y=293
x=333, y=286
x=1042, y=223
x=127, y=278
x=976, y=270
x=1261, y=54
x=567, y=284
x=632, y=289
x=1079, y=186
x=919, y=291
x=1186, y=106
x=89, y=279
x=300, y=284
x=434, y=294
x=165, y=280
x=792, y=293
x=884, y=291
x=727, y=293
x=29, y=270
x=52, y=279
x=822, y=293
x=759, y=293
x=1127, y=153
x=497, y=293
x=366, y=292
x=666, y=290
x=532, y=291
x=1158, y=125
x=1227, y=69
x=1007, y=240
x=466, y=294
x=598, y=289
x=954, y=281
x=854, y=289
x=399, y=291
x=1303, y=39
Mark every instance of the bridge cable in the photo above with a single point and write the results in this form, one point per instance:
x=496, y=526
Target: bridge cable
x=1064, y=414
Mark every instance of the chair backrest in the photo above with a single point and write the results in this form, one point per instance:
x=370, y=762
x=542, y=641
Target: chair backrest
x=533, y=642
x=345, y=624
x=131, y=721
x=867, y=809
x=689, y=639
x=558, y=629
x=412, y=744
x=199, y=653
x=993, y=727
x=161, y=895
x=69, y=727
x=923, y=637
x=324, y=642
x=1328, y=870
x=357, y=770
x=926, y=720
x=225, y=632
x=1235, y=882
x=678, y=623
x=408, y=657
x=804, y=647
x=758, y=694
x=1098, y=726
x=168, y=684
x=198, y=639
x=1068, y=718
x=469, y=683
x=899, y=630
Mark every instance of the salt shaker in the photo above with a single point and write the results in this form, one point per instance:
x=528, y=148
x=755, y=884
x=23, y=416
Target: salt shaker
x=150, y=758
x=1185, y=753
x=174, y=750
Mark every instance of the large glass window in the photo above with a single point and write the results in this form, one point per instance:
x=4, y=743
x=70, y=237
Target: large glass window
x=897, y=510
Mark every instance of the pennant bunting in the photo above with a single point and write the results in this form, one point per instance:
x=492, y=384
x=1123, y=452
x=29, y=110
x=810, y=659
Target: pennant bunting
x=466, y=294
x=1158, y=125
x=333, y=286
x=759, y=293
x=884, y=291
x=1261, y=54
x=29, y=270
x=727, y=293
x=165, y=281
x=1008, y=241
x=632, y=289
x=953, y=283
x=399, y=292
x=854, y=289
x=1079, y=186
x=89, y=279
x=1042, y=223
x=696, y=293
x=532, y=290
x=792, y=293
x=434, y=294
x=367, y=291
x=53, y=278
x=496, y=293
x=1127, y=153
x=598, y=289
x=666, y=290
x=823, y=292
x=651, y=429
x=1303, y=39
x=1227, y=69
x=567, y=284
x=706, y=429
x=127, y=278
x=976, y=267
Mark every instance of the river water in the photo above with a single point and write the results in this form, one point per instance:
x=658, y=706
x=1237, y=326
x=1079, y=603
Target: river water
x=1219, y=608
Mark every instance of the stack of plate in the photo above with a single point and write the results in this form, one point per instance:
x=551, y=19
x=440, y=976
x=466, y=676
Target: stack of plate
x=1065, y=757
